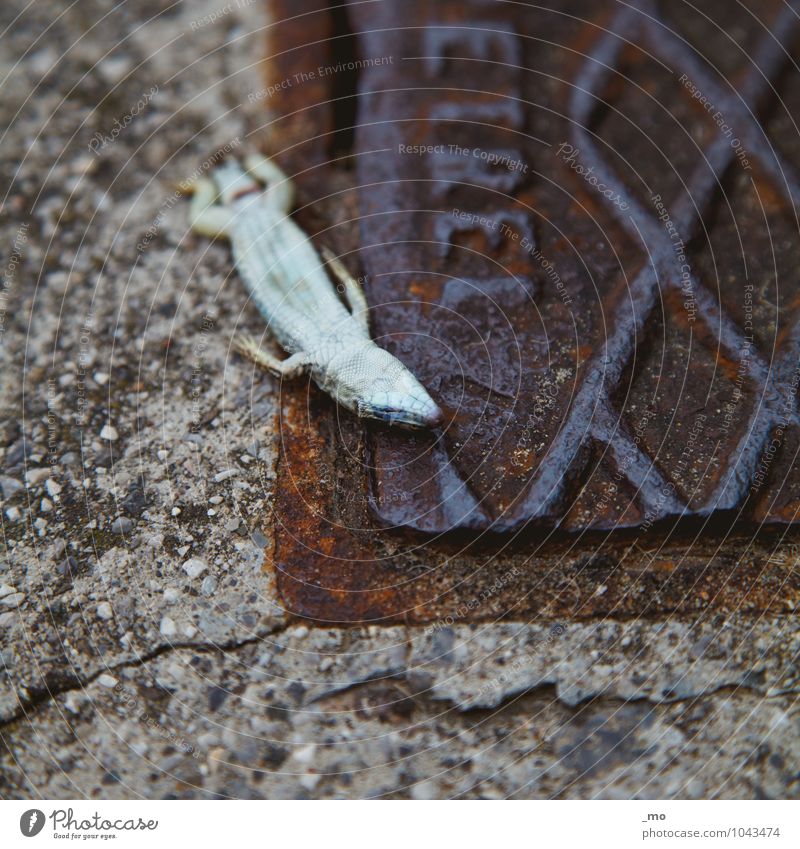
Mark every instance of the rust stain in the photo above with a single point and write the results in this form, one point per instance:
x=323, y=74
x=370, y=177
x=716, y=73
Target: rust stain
x=590, y=388
x=335, y=565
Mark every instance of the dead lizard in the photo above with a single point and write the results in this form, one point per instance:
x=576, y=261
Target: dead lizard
x=288, y=283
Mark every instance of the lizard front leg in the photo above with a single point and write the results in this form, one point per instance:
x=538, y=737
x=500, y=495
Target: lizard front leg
x=352, y=289
x=205, y=215
x=291, y=367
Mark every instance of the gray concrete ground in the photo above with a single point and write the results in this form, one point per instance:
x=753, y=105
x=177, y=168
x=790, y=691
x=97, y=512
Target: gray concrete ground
x=145, y=652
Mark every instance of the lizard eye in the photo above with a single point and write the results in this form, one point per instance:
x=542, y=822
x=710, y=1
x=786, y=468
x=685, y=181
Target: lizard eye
x=408, y=413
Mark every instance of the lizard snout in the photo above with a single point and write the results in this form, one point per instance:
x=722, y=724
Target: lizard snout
x=398, y=398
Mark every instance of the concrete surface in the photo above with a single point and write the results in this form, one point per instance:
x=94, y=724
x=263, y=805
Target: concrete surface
x=145, y=652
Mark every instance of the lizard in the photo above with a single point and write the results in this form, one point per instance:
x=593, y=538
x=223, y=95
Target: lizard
x=249, y=203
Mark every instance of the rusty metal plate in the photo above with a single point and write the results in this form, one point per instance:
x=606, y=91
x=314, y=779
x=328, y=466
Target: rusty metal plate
x=608, y=315
x=578, y=228
x=335, y=567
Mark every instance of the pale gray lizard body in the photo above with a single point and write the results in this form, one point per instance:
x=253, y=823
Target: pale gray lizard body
x=288, y=282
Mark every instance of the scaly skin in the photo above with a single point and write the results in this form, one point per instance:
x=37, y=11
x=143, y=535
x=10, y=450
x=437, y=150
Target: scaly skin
x=288, y=283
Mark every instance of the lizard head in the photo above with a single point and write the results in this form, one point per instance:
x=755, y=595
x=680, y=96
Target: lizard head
x=376, y=385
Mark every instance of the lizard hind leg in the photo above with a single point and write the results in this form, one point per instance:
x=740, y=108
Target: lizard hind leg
x=279, y=188
x=291, y=367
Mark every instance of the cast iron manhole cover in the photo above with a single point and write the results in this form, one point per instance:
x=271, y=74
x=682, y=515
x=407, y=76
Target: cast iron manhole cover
x=578, y=228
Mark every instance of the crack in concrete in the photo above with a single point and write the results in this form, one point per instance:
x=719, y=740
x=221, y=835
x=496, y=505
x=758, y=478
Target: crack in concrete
x=49, y=694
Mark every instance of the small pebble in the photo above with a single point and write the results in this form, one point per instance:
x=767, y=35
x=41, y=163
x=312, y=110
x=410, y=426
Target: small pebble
x=36, y=476
x=223, y=476
x=6, y=589
x=106, y=680
x=13, y=514
x=8, y=619
x=209, y=585
x=215, y=499
x=167, y=627
x=423, y=790
x=53, y=488
x=162, y=454
x=300, y=632
x=114, y=68
x=139, y=747
x=74, y=702
x=109, y=433
x=84, y=164
x=194, y=567
x=121, y=525
x=9, y=486
x=13, y=600
x=310, y=780
x=104, y=610
x=46, y=506
x=42, y=61
x=305, y=754
x=100, y=378
x=176, y=511
x=171, y=595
